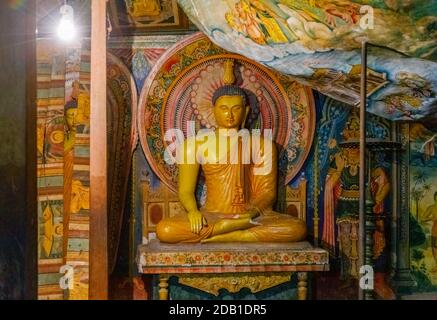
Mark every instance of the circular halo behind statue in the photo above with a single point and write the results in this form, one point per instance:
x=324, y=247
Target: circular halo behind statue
x=179, y=90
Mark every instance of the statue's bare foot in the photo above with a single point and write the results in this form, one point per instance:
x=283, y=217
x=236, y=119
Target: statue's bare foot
x=235, y=236
x=228, y=225
x=207, y=240
x=228, y=230
x=250, y=214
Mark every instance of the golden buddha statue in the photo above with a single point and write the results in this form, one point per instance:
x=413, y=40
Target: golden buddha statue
x=240, y=193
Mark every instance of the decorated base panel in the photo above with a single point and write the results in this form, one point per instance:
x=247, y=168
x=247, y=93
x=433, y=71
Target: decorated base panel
x=159, y=258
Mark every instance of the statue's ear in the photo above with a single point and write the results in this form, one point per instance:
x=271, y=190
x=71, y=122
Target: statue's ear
x=246, y=113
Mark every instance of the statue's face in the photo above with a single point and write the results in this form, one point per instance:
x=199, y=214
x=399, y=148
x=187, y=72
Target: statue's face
x=229, y=112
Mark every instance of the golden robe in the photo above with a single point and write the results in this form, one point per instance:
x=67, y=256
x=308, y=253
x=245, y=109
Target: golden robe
x=232, y=189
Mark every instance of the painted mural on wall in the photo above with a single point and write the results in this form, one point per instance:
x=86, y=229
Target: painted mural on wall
x=423, y=206
x=318, y=43
x=122, y=139
x=63, y=171
x=63, y=150
x=332, y=171
x=341, y=200
x=63, y=175
x=50, y=152
x=76, y=168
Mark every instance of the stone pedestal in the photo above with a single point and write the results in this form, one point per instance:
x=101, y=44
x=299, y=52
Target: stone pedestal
x=211, y=267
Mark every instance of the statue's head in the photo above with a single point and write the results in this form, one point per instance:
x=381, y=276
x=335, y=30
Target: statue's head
x=230, y=107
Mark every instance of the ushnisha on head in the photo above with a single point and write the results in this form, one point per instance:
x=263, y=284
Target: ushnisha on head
x=230, y=107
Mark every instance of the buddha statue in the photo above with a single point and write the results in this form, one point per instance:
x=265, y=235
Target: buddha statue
x=240, y=193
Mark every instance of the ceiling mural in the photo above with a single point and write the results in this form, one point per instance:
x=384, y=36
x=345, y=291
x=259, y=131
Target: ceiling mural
x=318, y=42
x=178, y=93
x=145, y=16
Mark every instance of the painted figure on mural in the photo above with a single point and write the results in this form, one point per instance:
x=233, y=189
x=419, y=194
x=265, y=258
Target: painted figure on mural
x=380, y=188
x=270, y=21
x=245, y=21
x=430, y=214
x=70, y=112
x=341, y=208
x=273, y=22
x=427, y=140
x=239, y=194
x=341, y=201
x=51, y=230
x=76, y=113
x=260, y=22
x=329, y=12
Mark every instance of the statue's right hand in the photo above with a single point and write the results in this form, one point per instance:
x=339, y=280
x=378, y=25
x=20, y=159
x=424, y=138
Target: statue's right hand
x=197, y=221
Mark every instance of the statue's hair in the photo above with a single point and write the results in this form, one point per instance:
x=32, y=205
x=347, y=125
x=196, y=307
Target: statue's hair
x=229, y=90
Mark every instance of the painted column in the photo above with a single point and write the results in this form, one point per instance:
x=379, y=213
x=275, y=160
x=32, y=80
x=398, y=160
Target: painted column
x=402, y=280
x=98, y=288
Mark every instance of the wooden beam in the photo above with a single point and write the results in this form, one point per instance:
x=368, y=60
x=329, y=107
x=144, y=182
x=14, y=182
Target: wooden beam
x=18, y=193
x=98, y=285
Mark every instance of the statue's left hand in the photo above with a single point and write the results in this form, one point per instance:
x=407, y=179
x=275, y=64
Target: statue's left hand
x=197, y=221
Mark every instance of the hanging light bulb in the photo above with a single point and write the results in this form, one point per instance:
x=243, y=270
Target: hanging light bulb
x=66, y=28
